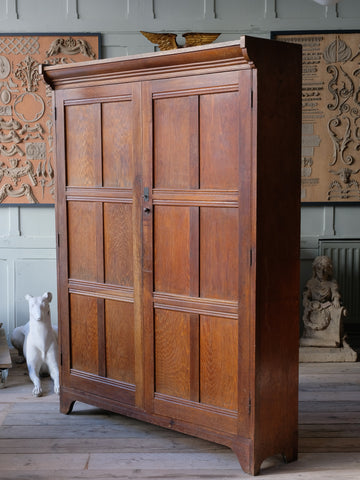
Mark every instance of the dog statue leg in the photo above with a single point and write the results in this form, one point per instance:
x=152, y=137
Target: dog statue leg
x=34, y=372
x=53, y=370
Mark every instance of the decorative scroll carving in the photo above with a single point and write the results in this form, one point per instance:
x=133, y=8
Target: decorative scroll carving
x=13, y=150
x=15, y=172
x=70, y=46
x=168, y=41
x=26, y=112
x=331, y=109
x=24, y=191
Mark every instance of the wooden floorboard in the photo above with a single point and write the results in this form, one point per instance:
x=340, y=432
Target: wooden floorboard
x=37, y=442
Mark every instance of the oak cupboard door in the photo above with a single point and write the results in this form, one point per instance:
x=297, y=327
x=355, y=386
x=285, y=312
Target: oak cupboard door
x=192, y=166
x=98, y=295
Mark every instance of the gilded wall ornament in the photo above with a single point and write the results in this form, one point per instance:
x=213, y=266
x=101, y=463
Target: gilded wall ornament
x=168, y=41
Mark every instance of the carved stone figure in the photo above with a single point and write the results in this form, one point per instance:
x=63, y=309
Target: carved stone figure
x=323, y=312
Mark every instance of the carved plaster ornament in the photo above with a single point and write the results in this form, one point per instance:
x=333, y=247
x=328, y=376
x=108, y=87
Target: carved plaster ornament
x=337, y=51
x=350, y=187
x=10, y=125
x=341, y=138
x=168, y=41
x=12, y=136
x=6, y=110
x=5, y=96
x=28, y=73
x=15, y=173
x=19, y=45
x=35, y=150
x=58, y=61
x=4, y=67
x=29, y=107
x=70, y=46
x=306, y=166
x=13, y=150
x=345, y=174
x=25, y=190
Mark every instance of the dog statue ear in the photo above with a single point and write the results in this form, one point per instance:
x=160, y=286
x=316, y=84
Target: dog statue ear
x=28, y=297
x=47, y=296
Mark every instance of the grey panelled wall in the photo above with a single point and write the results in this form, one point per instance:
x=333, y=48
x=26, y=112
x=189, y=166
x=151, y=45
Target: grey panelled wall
x=27, y=234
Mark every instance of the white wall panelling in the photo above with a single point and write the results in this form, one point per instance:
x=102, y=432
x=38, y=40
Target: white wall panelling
x=27, y=261
x=27, y=234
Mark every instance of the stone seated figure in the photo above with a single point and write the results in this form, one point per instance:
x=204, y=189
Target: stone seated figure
x=323, y=312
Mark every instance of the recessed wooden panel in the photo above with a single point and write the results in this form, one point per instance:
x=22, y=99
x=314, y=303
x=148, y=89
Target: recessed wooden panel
x=119, y=334
x=176, y=142
x=82, y=240
x=117, y=130
x=219, y=253
x=82, y=148
x=219, y=147
x=84, y=333
x=172, y=249
x=218, y=362
x=172, y=353
x=118, y=244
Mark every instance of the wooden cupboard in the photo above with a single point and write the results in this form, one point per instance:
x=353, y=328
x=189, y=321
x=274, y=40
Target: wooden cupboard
x=177, y=209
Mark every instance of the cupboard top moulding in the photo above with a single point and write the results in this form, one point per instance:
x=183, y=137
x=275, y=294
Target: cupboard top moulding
x=178, y=222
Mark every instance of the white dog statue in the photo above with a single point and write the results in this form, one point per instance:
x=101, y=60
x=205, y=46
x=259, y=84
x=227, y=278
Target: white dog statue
x=37, y=342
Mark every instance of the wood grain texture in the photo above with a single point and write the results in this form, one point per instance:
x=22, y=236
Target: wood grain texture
x=82, y=246
x=218, y=362
x=172, y=353
x=84, y=334
x=119, y=328
x=172, y=252
x=219, y=257
x=82, y=149
x=176, y=139
x=117, y=144
x=118, y=244
x=219, y=162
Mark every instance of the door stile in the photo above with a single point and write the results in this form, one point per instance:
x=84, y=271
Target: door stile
x=62, y=246
x=143, y=254
x=247, y=151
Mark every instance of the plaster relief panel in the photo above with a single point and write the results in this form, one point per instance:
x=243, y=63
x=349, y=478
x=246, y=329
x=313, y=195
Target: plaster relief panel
x=26, y=112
